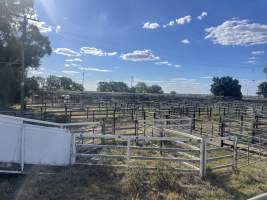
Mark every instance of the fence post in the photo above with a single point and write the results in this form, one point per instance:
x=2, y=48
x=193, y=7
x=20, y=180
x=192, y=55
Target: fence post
x=202, y=169
x=73, y=149
x=128, y=151
x=22, y=147
x=235, y=153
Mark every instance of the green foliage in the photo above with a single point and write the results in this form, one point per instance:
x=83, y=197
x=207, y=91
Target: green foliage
x=36, y=46
x=62, y=83
x=165, y=178
x=135, y=181
x=262, y=89
x=140, y=87
x=31, y=86
x=112, y=86
x=226, y=86
x=155, y=89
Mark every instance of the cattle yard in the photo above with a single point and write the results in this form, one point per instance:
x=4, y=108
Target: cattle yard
x=191, y=134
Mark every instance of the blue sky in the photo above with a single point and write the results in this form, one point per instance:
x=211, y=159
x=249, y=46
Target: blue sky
x=177, y=44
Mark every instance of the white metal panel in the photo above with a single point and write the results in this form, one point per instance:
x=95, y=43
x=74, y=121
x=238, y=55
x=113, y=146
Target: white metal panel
x=10, y=141
x=47, y=146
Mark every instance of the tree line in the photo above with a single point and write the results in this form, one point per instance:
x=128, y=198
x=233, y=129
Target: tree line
x=140, y=87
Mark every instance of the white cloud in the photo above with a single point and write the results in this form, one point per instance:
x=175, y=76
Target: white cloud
x=42, y=26
x=252, y=61
x=96, y=52
x=58, y=28
x=35, y=72
x=206, y=77
x=163, y=63
x=140, y=55
x=167, y=63
x=66, y=52
x=185, y=41
x=184, y=20
x=94, y=69
x=171, y=23
x=257, y=53
x=203, y=14
x=149, y=25
x=238, y=32
x=70, y=72
x=74, y=60
x=67, y=65
x=252, y=58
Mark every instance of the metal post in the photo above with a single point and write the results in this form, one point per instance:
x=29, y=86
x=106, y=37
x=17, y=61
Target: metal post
x=128, y=151
x=73, y=147
x=22, y=84
x=235, y=153
x=22, y=147
x=202, y=169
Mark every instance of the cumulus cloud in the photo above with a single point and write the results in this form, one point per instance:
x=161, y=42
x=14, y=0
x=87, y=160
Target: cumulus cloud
x=66, y=52
x=185, y=41
x=238, y=33
x=74, y=60
x=94, y=69
x=257, y=53
x=149, y=25
x=203, y=14
x=96, y=52
x=184, y=20
x=177, y=66
x=140, y=55
x=171, y=23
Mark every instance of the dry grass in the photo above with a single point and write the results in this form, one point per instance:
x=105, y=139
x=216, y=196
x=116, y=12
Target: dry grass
x=84, y=183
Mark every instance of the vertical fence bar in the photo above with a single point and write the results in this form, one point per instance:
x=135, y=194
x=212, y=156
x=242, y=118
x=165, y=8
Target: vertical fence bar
x=22, y=147
x=235, y=153
x=73, y=149
x=128, y=151
x=202, y=169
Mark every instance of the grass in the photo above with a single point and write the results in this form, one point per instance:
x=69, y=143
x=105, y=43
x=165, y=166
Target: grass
x=82, y=183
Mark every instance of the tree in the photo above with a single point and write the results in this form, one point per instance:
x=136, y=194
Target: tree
x=77, y=87
x=31, y=86
x=65, y=83
x=112, y=86
x=36, y=46
x=226, y=86
x=262, y=89
x=155, y=89
x=141, y=87
x=172, y=92
x=53, y=83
